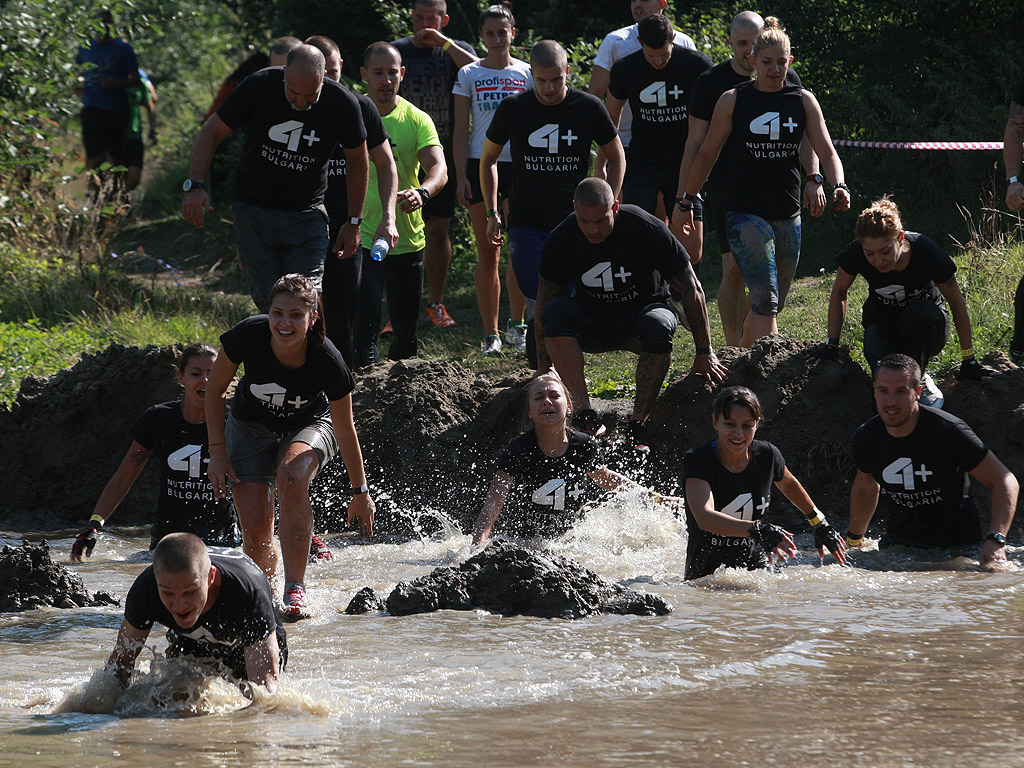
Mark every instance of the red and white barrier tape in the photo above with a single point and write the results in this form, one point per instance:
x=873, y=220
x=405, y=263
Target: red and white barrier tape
x=919, y=144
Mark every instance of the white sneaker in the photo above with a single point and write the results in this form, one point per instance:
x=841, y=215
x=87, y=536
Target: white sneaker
x=516, y=335
x=930, y=393
x=491, y=346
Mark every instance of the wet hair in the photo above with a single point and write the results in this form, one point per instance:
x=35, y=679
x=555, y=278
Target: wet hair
x=501, y=12
x=593, y=192
x=730, y=397
x=324, y=44
x=549, y=376
x=380, y=46
x=198, y=349
x=253, y=63
x=900, y=362
x=881, y=219
x=302, y=288
x=549, y=53
x=772, y=35
x=283, y=46
x=181, y=552
x=655, y=31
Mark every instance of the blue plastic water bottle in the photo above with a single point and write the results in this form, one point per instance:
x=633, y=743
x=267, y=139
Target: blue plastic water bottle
x=380, y=249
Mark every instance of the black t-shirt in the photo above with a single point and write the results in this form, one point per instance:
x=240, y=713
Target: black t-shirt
x=706, y=92
x=625, y=271
x=1018, y=92
x=550, y=148
x=243, y=614
x=549, y=493
x=280, y=397
x=336, y=197
x=890, y=291
x=744, y=495
x=429, y=76
x=924, y=475
x=284, y=159
x=186, y=500
x=766, y=133
x=658, y=99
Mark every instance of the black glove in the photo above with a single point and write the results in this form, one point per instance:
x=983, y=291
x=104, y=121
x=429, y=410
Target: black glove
x=86, y=540
x=828, y=537
x=975, y=371
x=767, y=535
x=824, y=352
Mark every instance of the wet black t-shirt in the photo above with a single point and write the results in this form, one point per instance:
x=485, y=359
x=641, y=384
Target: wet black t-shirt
x=548, y=493
x=658, y=99
x=766, y=133
x=279, y=397
x=284, y=159
x=925, y=477
x=744, y=495
x=242, y=616
x=550, y=148
x=186, y=500
x=336, y=197
x=706, y=92
x=889, y=292
x=626, y=271
x=429, y=76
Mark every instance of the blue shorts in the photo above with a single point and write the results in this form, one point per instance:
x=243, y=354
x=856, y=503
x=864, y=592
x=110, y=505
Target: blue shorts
x=526, y=244
x=767, y=253
x=254, y=449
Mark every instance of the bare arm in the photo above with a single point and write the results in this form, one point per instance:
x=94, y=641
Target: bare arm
x=1013, y=155
x=863, y=500
x=126, y=649
x=958, y=309
x=489, y=188
x=436, y=176
x=501, y=484
x=717, y=134
x=361, y=506
x=599, y=79
x=701, y=503
x=705, y=363
x=615, y=170
x=546, y=292
x=436, y=39
x=994, y=475
x=196, y=201
x=614, y=107
x=837, y=303
x=697, y=132
x=831, y=166
x=460, y=147
x=263, y=662
x=814, y=193
x=387, y=188
x=221, y=375
x=357, y=174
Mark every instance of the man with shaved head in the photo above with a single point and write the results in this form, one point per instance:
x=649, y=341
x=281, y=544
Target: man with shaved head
x=549, y=129
x=217, y=606
x=294, y=119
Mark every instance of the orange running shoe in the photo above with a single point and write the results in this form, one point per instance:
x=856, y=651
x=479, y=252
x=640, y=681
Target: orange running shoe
x=439, y=316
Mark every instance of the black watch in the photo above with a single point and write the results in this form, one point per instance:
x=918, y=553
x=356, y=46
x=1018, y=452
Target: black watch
x=998, y=538
x=423, y=193
x=817, y=178
x=192, y=184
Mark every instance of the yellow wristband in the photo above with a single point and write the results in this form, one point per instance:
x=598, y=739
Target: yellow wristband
x=967, y=353
x=97, y=519
x=816, y=517
x=854, y=541
x=446, y=46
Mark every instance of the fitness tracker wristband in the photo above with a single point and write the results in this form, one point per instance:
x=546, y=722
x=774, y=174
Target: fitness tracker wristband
x=1013, y=180
x=360, y=490
x=998, y=538
x=423, y=193
x=817, y=178
x=356, y=220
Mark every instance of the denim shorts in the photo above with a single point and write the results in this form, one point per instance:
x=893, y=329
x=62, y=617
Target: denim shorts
x=767, y=253
x=254, y=449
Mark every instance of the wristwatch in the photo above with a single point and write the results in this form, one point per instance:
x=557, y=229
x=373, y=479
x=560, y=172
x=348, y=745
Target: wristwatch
x=1013, y=180
x=817, y=178
x=192, y=184
x=355, y=220
x=360, y=490
x=423, y=193
x=998, y=538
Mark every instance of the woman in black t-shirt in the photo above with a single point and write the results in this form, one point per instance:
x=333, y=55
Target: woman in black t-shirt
x=548, y=474
x=728, y=489
x=176, y=433
x=765, y=120
x=292, y=412
x=908, y=276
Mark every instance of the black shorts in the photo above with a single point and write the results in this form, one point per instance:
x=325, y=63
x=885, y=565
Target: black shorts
x=716, y=207
x=647, y=329
x=133, y=152
x=103, y=133
x=442, y=204
x=473, y=175
x=642, y=185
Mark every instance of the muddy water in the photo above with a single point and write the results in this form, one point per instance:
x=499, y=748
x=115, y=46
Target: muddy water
x=893, y=662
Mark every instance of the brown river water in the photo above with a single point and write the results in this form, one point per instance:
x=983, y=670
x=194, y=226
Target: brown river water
x=892, y=662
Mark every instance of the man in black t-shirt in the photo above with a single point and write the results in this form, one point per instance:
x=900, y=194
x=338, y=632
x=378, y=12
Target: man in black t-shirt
x=294, y=120
x=622, y=261
x=550, y=129
x=217, y=606
x=921, y=456
x=1013, y=159
x=431, y=62
x=733, y=306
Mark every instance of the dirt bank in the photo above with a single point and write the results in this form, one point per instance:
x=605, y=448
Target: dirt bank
x=431, y=431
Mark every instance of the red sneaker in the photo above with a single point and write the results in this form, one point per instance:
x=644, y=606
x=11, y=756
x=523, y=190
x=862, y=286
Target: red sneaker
x=439, y=316
x=318, y=550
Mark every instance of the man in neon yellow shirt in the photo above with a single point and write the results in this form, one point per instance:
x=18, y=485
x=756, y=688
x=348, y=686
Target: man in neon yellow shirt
x=415, y=144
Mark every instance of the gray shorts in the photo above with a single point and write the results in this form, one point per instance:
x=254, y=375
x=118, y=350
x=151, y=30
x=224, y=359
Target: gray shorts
x=255, y=449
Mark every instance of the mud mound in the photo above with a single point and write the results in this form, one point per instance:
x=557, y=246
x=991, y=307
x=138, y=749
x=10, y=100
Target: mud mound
x=512, y=581
x=66, y=434
x=31, y=579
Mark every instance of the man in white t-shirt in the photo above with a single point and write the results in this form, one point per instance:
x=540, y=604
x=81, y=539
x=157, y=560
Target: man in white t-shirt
x=615, y=46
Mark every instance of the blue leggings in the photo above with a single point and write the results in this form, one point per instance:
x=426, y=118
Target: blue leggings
x=767, y=253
